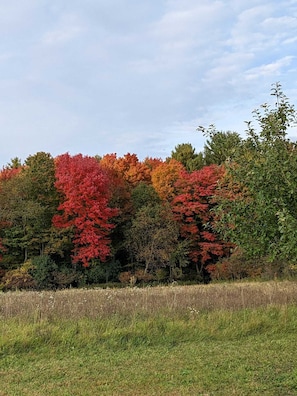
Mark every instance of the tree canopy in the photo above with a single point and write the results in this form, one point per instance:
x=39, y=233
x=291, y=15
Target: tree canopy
x=257, y=201
x=74, y=219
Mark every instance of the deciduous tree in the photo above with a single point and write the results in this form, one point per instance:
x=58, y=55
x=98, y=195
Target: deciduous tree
x=260, y=217
x=28, y=201
x=164, y=178
x=192, y=209
x=83, y=185
x=153, y=237
x=220, y=146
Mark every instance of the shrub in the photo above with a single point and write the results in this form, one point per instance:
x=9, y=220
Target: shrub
x=100, y=272
x=43, y=272
x=142, y=276
x=238, y=266
x=131, y=278
x=126, y=277
x=19, y=279
x=67, y=277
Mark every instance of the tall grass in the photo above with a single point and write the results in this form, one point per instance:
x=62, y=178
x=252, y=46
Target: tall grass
x=148, y=316
x=218, y=339
x=130, y=302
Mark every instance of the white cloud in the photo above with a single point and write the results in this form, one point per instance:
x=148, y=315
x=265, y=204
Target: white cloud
x=272, y=69
x=102, y=76
x=283, y=23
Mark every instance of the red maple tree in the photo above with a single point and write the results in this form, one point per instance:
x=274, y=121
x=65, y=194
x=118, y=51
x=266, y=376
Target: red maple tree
x=83, y=185
x=191, y=207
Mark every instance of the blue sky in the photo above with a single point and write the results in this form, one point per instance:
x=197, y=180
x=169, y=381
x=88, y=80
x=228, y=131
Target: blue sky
x=118, y=76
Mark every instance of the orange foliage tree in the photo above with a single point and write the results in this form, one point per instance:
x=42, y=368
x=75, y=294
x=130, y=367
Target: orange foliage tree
x=164, y=178
x=129, y=167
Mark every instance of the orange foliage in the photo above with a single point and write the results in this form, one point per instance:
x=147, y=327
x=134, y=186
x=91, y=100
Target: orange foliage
x=164, y=178
x=152, y=163
x=128, y=167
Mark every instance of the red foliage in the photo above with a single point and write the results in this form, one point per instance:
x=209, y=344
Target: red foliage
x=191, y=207
x=84, y=187
x=9, y=173
x=152, y=163
x=119, y=187
x=125, y=173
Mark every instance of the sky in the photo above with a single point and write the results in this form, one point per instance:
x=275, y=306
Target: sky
x=139, y=76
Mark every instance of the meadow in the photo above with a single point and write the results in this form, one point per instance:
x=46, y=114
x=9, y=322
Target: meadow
x=217, y=339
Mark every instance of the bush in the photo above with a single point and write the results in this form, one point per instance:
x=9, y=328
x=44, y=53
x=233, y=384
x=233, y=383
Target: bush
x=138, y=276
x=43, y=272
x=127, y=278
x=18, y=279
x=100, y=272
x=238, y=266
x=142, y=276
x=67, y=277
x=2, y=273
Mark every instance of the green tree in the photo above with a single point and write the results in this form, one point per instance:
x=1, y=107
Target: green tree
x=28, y=200
x=39, y=175
x=258, y=204
x=144, y=194
x=153, y=238
x=220, y=146
x=15, y=163
x=185, y=154
x=43, y=272
x=20, y=220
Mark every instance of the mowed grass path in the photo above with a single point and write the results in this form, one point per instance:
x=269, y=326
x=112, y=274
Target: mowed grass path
x=231, y=339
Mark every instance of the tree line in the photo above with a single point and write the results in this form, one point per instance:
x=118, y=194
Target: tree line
x=226, y=212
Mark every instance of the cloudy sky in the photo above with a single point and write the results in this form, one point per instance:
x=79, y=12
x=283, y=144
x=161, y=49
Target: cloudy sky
x=118, y=76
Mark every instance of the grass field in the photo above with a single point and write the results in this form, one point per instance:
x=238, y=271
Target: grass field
x=224, y=339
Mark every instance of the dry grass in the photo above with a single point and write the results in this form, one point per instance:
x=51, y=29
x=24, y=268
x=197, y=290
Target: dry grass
x=83, y=303
x=178, y=340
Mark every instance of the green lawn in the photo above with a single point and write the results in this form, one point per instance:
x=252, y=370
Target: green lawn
x=223, y=352
x=257, y=365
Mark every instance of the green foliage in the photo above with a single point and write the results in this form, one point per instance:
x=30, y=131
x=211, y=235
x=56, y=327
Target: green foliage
x=153, y=237
x=220, y=146
x=67, y=277
x=258, y=203
x=14, y=163
x=18, y=279
x=144, y=194
x=102, y=272
x=28, y=201
x=116, y=209
x=43, y=272
x=185, y=154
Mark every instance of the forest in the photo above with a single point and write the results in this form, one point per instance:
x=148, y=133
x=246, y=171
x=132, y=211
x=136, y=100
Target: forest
x=228, y=212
